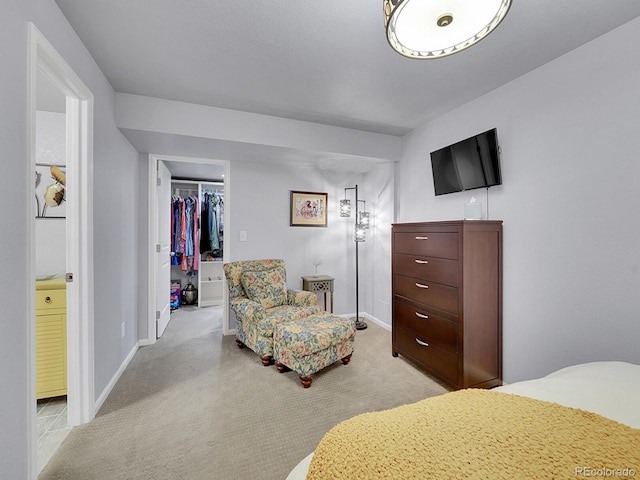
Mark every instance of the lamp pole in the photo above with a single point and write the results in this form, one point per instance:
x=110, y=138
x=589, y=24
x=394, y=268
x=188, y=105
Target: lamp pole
x=360, y=324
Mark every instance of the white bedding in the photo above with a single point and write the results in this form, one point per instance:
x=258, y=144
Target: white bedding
x=610, y=389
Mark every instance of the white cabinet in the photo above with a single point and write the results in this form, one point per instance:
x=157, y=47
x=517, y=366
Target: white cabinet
x=51, y=338
x=210, y=283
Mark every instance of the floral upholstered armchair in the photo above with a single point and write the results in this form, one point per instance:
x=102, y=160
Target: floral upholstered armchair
x=259, y=297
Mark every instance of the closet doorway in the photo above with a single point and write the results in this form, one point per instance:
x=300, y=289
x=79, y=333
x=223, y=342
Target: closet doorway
x=66, y=191
x=195, y=183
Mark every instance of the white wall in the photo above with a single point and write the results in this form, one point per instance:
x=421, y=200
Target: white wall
x=569, y=201
x=375, y=264
x=50, y=234
x=142, y=242
x=115, y=186
x=138, y=113
x=14, y=280
x=259, y=204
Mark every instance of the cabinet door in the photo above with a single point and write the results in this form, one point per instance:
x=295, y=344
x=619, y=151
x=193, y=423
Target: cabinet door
x=51, y=355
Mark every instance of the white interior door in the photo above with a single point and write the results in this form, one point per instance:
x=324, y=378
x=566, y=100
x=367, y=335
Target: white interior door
x=163, y=249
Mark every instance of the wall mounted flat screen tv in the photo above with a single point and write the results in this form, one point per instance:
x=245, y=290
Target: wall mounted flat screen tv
x=468, y=164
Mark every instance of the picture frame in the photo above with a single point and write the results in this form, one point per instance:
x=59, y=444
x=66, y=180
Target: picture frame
x=308, y=209
x=44, y=179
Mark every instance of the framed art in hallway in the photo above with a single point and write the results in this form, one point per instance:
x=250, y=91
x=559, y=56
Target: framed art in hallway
x=308, y=209
x=50, y=191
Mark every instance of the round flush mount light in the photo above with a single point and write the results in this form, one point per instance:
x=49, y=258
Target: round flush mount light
x=428, y=29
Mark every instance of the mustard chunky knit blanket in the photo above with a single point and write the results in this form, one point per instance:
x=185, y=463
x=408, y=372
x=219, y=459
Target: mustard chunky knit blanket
x=478, y=434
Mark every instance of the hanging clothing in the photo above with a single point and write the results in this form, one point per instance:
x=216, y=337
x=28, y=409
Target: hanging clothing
x=205, y=232
x=175, y=231
x=220, y=215
x=196, y=236
x=184, y=233
x=209, y=230
x=213, y=223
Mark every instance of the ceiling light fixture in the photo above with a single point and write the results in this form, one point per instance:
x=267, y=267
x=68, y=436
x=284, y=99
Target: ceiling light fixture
x=428, y=29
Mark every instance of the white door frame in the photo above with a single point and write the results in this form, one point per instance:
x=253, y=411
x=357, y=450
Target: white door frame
x=152, y=229
x=44, y=59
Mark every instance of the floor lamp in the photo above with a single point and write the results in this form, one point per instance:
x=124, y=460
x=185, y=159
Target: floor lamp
x=361, y=224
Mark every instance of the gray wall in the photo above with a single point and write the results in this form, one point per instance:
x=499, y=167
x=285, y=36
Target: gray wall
x=259, y=205
x=14, y=403
x=569, y=200
x=115, y=184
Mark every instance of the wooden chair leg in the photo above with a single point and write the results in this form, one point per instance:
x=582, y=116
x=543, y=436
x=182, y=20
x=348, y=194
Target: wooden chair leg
x=282, y=367
x=239, y=343
x=346, y=359
x=266, y=360
x=306, y=381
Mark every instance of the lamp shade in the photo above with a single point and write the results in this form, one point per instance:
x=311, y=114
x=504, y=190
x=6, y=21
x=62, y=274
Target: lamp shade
x=345, y=208
x=364, y=220
x=428, y=29
x=359, y=234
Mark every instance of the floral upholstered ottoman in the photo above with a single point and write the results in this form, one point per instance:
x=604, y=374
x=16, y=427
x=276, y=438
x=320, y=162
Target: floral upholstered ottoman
x=309, y=344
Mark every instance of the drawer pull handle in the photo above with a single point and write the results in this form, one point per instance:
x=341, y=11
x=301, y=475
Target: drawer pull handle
x=423, y=262
x=424, y=344
x=422, y=238
x=419, y=285
x=420, y=315
x=47, y=300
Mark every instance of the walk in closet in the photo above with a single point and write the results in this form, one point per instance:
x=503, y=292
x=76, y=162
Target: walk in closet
x=197, y=243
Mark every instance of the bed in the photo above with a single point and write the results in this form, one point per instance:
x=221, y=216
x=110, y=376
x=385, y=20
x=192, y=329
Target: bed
x=580, y=421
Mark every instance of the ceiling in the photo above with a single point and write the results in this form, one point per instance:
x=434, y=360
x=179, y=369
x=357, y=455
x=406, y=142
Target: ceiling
x=320, y=61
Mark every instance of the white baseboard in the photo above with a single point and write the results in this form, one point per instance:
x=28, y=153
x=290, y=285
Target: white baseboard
x=105, y=393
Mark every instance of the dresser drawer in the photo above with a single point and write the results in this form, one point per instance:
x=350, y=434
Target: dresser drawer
x=48, y=299
x=442, y=245
x=434, y=328
x=429, y=293
x=437, y=270
x=438, y=359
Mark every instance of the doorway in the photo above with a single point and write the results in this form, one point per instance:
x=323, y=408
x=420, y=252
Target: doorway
x=196, y=168
x=47, y=66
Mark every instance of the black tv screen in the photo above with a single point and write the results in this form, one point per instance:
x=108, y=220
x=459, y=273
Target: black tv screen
x=468, y=164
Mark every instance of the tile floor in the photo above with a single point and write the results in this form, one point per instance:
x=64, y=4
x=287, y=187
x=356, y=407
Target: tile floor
x=52, y=427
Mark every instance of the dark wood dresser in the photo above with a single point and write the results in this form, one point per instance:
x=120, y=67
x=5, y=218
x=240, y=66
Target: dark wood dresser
x=447, y=299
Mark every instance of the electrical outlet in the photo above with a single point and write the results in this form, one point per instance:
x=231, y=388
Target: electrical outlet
x=243, y=235
x=122, y=330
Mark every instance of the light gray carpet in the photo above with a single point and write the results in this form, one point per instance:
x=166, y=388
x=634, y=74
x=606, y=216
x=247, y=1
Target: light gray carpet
x=194, y=406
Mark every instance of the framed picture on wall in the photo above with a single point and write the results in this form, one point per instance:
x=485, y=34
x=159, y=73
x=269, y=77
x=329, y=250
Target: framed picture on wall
x=308, y=209
x=50, y=191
